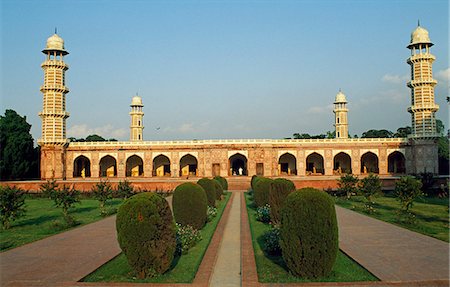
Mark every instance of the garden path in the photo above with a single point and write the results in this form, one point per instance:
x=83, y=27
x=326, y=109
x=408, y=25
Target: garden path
x=227, y=270
x=390, y=252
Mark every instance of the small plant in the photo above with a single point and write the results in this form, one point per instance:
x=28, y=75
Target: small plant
x=124, y=189
x=348, y=184
x=211, y=212
x=407, y=189
x=48, y=188
x=102, y=191
x=272, y=241
x=263, y=213
x=187, y=237
x=12, y=205
x=66, y=198
x=370, y=186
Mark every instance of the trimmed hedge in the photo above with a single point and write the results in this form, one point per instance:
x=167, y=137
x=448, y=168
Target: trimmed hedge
x=146, y=233
x=279, y=190
x=261, y=191
x=223, y=182
x=255, y=178
x=309, y=233
x=189, y=203
x=219, y=189
x=210, y=189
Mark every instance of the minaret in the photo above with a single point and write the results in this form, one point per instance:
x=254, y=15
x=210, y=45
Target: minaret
x=137, y=115
x=54, y=113
x=340, y=116
x=423, y=107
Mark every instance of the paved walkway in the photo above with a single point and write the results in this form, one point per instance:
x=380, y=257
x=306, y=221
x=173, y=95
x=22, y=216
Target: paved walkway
x=67, y=256
x=391, y=253
x=227, y=270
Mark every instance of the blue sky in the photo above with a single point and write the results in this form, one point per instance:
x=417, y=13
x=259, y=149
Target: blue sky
x=222, y=69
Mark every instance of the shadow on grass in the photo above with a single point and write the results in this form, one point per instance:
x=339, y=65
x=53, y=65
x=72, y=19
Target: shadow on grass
x=275, y=258
x=36, y=220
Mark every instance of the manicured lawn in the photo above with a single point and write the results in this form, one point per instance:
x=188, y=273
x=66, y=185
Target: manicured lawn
x=43, y=219
x=432, y=217
x=272, y=269
x=183, y=267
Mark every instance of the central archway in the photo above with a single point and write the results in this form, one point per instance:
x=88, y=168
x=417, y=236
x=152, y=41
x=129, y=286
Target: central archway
x=369, y=163
x=314, y=164
x=396, y=163
x=342, y=163
x=238, y=164
x=82, y=167
x=188, y=165
x=161, y=166
x=108, y=166
x=287, y=164
x=134, y=166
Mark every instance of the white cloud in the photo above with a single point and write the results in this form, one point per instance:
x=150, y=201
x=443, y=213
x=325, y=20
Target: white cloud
x=395, y=79
x=320, y=109
x=443, y=75
x=107, y=131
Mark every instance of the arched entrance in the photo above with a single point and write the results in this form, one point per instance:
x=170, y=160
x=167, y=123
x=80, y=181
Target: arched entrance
x=238, y=164
x=287, y=164
x=134, y=166
x=108, y=166
x=188, y=165
x=369, y=163
x=82, y=167
x=396, y=162
x=161, y=166
x=342, y=163
x=314, y=164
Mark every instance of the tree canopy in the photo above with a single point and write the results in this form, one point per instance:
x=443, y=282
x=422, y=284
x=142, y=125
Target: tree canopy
x=18, y=158
x=91, y=138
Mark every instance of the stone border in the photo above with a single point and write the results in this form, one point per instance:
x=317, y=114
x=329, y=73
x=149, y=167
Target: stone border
x=250, y=275
x=204, y=272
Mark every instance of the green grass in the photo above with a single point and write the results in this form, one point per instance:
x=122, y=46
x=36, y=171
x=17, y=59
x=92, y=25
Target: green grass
x=272, y=269
x=183, y=268
x=43, y=219
x=432, y=215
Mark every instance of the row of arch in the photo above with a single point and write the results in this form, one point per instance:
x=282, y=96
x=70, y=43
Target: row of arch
x=287, y=165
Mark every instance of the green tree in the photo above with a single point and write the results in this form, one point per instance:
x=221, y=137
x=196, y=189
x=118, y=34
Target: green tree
x=18, y=158
x=403, y=132
x=370, y=186
x=94, y=138
x=124, y=189
x=377, y=134
x=407, y=189
x=348, y=184
x=12, y=205
x=102, y=191
x=65, y=198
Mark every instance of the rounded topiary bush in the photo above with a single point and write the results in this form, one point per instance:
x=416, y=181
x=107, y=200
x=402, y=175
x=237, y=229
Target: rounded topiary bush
x=189, y=205
x=210, y=189
x=146, y=233
x=219, y=189
x=261, y=191
x=309, y=233
x=223, y=182
x=279, y=190
x=253, y=181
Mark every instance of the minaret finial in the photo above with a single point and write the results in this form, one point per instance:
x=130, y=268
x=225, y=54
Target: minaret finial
x=56, y=30
x=418, y=23
x=340, y=90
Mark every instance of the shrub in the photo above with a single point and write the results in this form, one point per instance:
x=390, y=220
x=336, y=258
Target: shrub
x=12, y=205
x=187, y=237
x=223, y=182
x=263, y=213
x=407, y=189
x=146, y=233
x=102, y=191
x=124, y=189
x=48, y=188
x=211, y=212
x=348, y=184
x=271, y=240
x=253, y=181
x=427, y=179
x=219, y=189
x=189, y=205
x=309, y=233
x=261, y=191
x=66, y=198
x=369, y=187
x=279, y=190
x=210, y=189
